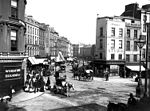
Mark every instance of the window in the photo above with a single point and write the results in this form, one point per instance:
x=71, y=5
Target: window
x=100, y=55
x=128, y=58
x=14, y=8
x=13, y=38
x=101, y=44
x=135, y=46
x=112, y=31
x=120, y=44
x=128, y=33
x=144, y=27
x=120, y=32
x=128, y=46
x=143, y=53
x=135, y=58
x=120, y=56
x=135, y=34
x=112, y=44
x=112, y=56
x=101, y=31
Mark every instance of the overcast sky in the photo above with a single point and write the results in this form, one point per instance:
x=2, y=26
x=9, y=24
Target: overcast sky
x=76, y=19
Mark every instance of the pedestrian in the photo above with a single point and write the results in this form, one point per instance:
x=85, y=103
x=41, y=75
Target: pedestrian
x=107, y=75
x=10, y=92
x=131, y=100
x=48, y=84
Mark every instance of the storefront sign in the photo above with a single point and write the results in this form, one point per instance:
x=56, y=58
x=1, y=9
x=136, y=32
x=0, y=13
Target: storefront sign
x=12, y=72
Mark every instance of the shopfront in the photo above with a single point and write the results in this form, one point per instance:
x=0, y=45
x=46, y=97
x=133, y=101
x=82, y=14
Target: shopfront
x=11, y=74
x=115, y=67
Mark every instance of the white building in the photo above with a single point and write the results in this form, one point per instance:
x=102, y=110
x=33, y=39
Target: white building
x=110, y=52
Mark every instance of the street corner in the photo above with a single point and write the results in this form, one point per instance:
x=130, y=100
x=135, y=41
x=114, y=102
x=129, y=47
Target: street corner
x=85, y=107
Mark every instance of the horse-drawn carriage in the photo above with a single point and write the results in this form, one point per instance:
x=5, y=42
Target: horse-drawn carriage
x=83, y=73
x=62, y=86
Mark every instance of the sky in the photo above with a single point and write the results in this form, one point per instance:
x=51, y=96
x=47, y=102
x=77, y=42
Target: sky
x=76, y=19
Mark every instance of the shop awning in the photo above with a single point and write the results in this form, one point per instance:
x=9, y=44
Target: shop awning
x=32, y=60
x=136, y=68
x=35, y=61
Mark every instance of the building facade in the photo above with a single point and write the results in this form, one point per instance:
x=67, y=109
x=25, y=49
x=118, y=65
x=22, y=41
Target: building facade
x=76, y=50
x=110, y=52
x=32, y=36
x=12, y=47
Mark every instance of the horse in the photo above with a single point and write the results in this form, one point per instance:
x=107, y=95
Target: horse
x=67, y=87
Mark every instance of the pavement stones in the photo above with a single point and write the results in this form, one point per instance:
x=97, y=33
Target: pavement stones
x=24, y=96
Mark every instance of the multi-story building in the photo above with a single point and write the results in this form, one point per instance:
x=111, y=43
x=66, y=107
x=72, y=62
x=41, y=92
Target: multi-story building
x=12, y=47
x=75, y=50
x=70, y=49
x=47, y=40
x=32, y=36
x=42, y=33
x=54, y=42
x=64, y=46
x=110, y=52
x=86, y=52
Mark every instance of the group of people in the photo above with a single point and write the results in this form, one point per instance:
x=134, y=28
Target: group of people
x=34, y=82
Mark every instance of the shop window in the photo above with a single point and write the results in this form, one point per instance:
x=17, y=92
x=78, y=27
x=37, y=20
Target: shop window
x=13, y=38
x=14, y=8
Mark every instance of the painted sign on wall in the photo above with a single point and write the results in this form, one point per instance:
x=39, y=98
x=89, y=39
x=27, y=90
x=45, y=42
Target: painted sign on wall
x=12, y=72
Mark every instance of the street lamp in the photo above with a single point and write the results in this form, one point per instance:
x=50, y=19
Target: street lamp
x=55, y=54
x=139, y=89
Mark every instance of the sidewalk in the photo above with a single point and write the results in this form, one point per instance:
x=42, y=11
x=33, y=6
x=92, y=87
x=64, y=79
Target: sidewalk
x=142, y=105
x=24, y=96
x=116, y=79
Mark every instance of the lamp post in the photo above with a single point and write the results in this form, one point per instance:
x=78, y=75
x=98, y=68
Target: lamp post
x=146, y=11
x=55, y=54
x=139, y=88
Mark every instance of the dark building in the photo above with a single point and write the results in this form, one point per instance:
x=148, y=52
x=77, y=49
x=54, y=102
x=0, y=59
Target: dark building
x=12, y=47
x=132, y=10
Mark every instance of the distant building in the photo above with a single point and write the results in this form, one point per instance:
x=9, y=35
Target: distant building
x=64, y=46
x=42, y=36
x=76, y=50
x=86, y=52
x=32, y=36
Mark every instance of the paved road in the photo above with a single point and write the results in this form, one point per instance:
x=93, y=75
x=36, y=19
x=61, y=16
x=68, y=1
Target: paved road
x=96, y=93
